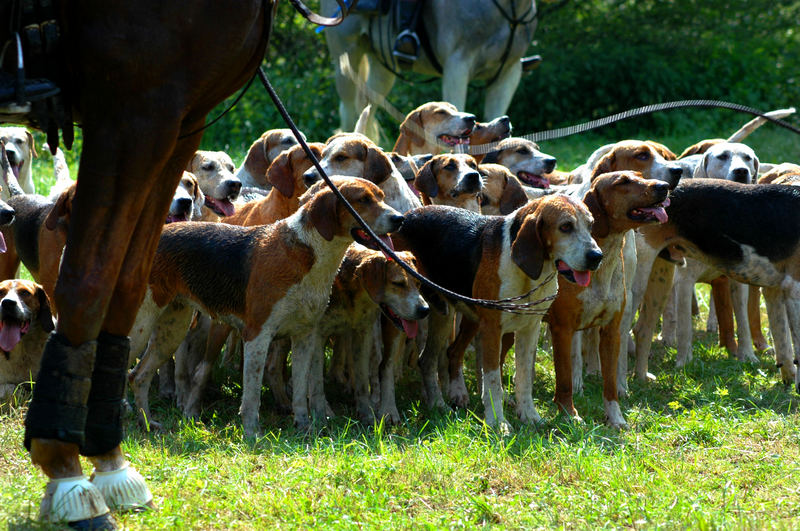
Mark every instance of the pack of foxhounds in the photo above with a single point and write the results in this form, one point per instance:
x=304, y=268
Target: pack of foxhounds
x=261, y=267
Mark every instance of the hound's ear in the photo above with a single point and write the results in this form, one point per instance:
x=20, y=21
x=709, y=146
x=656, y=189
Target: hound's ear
x=755, y=168
x=607, y=163
x=491, y=157
x=199, y=198
x=372, y=274
x=527, y=249
x=63, y=207
x=601, y=227
x=31, y=143
x=45, y=314
x=425, y=181
x=190, y=166
x=413, y=128
x=701, y=171
x=377, y=167
x=256, y=159
x=513, y=195
x=280, y=175
x=322, y=213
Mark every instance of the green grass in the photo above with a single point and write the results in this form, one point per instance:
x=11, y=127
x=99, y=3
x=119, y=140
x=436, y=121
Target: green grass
x=713, y=445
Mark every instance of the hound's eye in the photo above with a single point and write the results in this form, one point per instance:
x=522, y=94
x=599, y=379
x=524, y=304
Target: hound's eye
x=287, y=141
x=566, y=227
x=644, y=155
x=523, y=151
x=440, y=111
x=19, y=141
x=208, y=166
x=399, y=283
x=450, y=166
x=365, y=200
x=230, y=167
x=747, y=158
x=724, y=155
x=341, y=157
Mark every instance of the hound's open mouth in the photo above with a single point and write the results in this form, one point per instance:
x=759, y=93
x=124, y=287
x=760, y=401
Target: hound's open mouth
x=581, y=278
x=16, y=168
x=451, y=140
x=221, y=207
x=360, y=236
x=654, y=212
x=11, y=332
x=531, y=179
x=408, y=327
x=174, y=218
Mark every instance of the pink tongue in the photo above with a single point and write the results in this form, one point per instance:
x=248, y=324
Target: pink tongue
x=225, y=206
x=658, y=212
x=10, y=334
x=410, y=328
x=582, y=278
x=2, y=243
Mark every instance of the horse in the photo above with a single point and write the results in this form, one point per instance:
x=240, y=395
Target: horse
x=467, y=39
x=140, y=78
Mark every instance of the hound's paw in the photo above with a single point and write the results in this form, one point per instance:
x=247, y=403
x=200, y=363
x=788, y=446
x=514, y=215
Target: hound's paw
x=457, y=393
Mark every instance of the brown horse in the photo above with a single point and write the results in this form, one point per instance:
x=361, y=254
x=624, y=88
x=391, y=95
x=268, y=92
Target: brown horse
x=140, y=77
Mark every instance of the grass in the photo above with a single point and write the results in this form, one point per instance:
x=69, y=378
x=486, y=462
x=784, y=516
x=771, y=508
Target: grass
x=713, y=445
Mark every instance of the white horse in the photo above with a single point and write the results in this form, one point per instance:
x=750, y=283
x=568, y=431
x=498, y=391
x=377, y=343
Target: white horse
x=469, y=39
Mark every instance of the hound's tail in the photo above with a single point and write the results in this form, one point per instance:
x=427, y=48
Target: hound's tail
x=757, y=122
x=363, y=120
x=61, y=171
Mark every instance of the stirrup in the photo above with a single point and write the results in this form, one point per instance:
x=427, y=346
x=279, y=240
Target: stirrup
x=405, y=55
x=15, y=89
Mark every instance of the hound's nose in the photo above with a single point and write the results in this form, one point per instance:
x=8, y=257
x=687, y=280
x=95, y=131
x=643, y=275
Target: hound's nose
x=184, y=204
x=310, y=177
x=422, y=312
x=395, y=221
x=593, y=259
x=233, y=187
x=472, y=181
x=6, y=215
x=662, y=188
x=470, y=119
x=740, y=175
x=505, y=121
x=549, y=164
x=8, y=305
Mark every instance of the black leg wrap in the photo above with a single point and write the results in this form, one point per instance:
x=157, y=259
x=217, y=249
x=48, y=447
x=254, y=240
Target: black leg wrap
x=104, y=422
x=58, y=408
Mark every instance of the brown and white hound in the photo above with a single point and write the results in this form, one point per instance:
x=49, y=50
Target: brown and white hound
x=431, y=126
x=498, y=257
x=264, y=150
x=279, y=282
x=619, y=202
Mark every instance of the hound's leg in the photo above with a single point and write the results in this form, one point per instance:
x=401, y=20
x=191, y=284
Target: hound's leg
x=739, y=294
x=525, y=363
x=781, y=336
x=658, y=289
x=754, y=318
x=171, y=328
x=255, y=357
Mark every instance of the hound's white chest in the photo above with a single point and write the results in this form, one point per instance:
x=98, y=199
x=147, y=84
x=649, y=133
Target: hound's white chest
x=606, y=293
x=304, y=303
x=514, y=282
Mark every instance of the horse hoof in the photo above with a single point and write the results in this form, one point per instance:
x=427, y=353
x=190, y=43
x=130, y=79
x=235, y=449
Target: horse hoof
x=123, y=489
x=75, y=500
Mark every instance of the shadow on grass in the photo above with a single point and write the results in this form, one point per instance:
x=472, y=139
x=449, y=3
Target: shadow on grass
x=713, y=382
